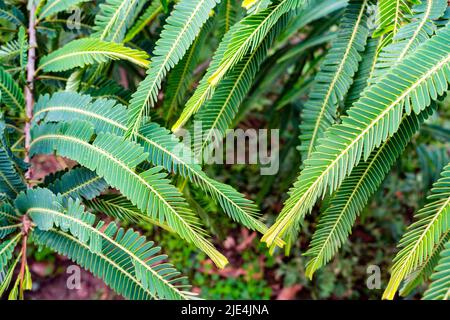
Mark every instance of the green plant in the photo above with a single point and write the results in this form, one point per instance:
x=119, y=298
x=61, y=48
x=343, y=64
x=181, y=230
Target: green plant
x=101, y=90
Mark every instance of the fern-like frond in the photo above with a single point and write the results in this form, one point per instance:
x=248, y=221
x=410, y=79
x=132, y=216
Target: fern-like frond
x=79, y=182
x=114, y=18
x=227, y=16
x=335, y=77
x=251, y=32
x=180, y=30
x=410, y=85
x=6, y=228
x=12, y=14
x=152, y=11
x=164, y=149
x=88, y=51
x=119, y=207
x=125, y=261
x=244, y=36
x=181, y=75
x=115, y=160
x=410, y=36
x=52, y=7
x=218, y=113
x=423, y=273
x=337, y=221
x=9, y=51
x=432, y=221
x=11, y=183
x=7, y=248
x=440, y=287
x=391, y=15
x=10, y=93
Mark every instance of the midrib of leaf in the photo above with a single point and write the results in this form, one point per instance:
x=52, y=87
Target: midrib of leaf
x=119, y=268
x=223, y=68
x=262, y=227
x=11, y=95
x=142, y=63
x=110, y=240
x=230, y=94
x=8, y=183
x=416, y=32
x=122, y=22
x=162, y=69
x=13, y=226
x=80, y=186
x=282, y=224
x=9, y=216
x=54, y=3
x=407, y=261
x=347, y=204
x=113, y=20
x=334, y=80
x=142, y=180
x=13, y=241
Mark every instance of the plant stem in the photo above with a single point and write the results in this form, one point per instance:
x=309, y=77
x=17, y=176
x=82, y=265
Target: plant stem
x=29, y=87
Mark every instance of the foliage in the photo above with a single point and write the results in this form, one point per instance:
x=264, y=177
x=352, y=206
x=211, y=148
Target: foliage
x=349, y=84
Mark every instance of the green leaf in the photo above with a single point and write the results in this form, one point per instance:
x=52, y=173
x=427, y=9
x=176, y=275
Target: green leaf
x=440, y=287
x=115, y=160
x=335, y=77
x=123, y=259
x=88, y=51
x=431, y=222
x=180, y=30
x=7, y=249
x=53, y=7
x=114, y=18
x=10, y=93
x=152, y=11
x=409, y=86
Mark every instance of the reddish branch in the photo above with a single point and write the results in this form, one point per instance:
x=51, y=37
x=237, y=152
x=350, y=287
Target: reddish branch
x=29, y=87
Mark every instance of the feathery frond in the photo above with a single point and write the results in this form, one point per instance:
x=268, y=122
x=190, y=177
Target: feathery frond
x=180, y=30
x=431, y=222
x=88, y=51
x=152, y=11
x=122, y=258
x=54, y=6
x=115, y=160
x=335, y=77
x=114, y=18
x=440, y=287
x=411, y=86
x=10, y=93
x=336, y=222
x=391, y=15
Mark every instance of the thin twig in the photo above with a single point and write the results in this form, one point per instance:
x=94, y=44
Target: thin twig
x=29, y=87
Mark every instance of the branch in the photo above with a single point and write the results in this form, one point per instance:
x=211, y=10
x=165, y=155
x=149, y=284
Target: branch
x=29, y=87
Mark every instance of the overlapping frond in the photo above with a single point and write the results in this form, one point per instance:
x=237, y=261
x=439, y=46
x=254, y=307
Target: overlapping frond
x=164, y=148
x=10, y=93
x=52, y=7
x=11, y=183
x=391, y=15
x=411, y=86
x=88, y=51
x=440, y=287
x=423, y=273
x=250, y=33
x=410, y=36
x=244, y=37
x=335, y=77
x=79, y=182
x=115, y=160
x=7, y=248
x=114, y=18
x=431, y=222
x=125, y=261
x=180, y=30
x=336, y=222
x=119, y=207
x=152, y=11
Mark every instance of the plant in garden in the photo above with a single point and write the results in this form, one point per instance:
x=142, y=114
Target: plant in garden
x=112, y=89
